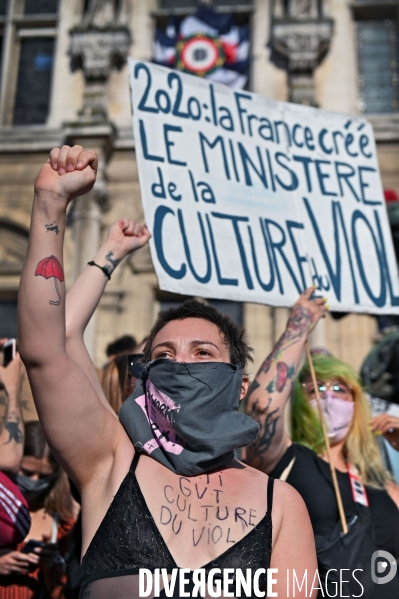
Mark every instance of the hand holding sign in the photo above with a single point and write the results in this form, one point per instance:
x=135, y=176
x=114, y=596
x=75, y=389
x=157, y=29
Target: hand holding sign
x=307, y=311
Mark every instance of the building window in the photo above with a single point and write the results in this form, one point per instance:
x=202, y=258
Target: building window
x=34, y=81
x=167, y=4
x=232, y=3
x=191, y=5
x=28, y=30
x=41, y=7
x=378, y=65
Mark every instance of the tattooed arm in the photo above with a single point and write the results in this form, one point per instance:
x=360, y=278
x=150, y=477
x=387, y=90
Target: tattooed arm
x=82, y=433
x=269, y=392
x=12, y=431
x=124, y=237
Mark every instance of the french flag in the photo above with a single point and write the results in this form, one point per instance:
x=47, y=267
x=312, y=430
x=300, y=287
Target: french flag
x=207, y=44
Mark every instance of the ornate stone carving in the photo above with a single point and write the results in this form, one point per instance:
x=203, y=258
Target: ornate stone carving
x=300, y=40
x=297, y=9
x=102, y=13
x=303, y=44
x=97, y=46
x=302, y=9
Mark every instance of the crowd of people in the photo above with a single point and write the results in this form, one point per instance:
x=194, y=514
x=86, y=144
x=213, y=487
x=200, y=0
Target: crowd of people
x=135, y=465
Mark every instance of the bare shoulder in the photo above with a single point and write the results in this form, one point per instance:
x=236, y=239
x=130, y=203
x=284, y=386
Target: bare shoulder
x=283, y=493
x=288, y=499
x=288, y=506
x=290, y=510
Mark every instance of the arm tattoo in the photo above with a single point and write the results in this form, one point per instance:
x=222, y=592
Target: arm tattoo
x=50, y=268
x=52, y=227
x=113, y=263
x=284, y=374
x=268, y=426
x=298, y=323
x=12, y=427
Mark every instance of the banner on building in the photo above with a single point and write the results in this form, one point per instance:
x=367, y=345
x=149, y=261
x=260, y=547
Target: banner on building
x=254, y=200
x=207, y=44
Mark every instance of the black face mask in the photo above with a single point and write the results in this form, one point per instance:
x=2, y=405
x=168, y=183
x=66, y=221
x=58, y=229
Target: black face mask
x=188, y=417
x=33, y=489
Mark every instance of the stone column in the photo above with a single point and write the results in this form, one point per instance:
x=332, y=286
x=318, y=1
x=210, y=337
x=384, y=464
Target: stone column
x=98, y=45
x=87, y=211
x=300, y=40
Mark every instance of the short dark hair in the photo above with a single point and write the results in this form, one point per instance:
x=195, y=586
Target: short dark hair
x=122, y=345
x=233, y=335
x=35, y=443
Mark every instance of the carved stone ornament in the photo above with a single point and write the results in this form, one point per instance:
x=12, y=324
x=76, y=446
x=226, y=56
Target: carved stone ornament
x=102, y=13
x=302, y=9
x=97, y=51
x=303, y=44
x=300, y=40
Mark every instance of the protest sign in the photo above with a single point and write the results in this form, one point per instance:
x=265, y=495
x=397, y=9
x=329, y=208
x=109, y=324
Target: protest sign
x=253, y=200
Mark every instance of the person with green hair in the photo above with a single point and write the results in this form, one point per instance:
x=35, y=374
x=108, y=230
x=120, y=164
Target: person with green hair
x=300, y=458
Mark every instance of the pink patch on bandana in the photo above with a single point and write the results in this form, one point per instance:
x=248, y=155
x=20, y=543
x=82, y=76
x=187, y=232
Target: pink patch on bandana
x=159, y=410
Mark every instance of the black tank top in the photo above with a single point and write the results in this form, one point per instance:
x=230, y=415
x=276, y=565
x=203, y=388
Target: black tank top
x=128, y=539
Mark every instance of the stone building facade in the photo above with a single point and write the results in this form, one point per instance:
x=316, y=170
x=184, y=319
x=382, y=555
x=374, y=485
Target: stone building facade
x=64, y=80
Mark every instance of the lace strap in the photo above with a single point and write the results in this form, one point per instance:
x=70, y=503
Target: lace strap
x=135, y=461
x=270, y=487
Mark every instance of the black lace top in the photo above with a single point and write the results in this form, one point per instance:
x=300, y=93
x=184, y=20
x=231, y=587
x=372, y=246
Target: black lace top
x=128, y=539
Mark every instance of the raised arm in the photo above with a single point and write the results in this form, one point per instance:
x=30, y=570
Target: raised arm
x=124, y=237
x=269, y=393
x=80, y=430
x=12, y=431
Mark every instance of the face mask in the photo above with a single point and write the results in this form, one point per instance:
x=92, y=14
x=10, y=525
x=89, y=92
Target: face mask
x=338, y=415
x=33, y=489
x=187, y=418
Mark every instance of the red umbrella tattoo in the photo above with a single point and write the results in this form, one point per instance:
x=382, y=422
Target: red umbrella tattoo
x=51, y=267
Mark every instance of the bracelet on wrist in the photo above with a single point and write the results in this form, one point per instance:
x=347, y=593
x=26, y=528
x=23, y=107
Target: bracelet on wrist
x=103, y=268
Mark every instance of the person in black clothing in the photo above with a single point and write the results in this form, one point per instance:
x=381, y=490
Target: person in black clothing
x=354, y=451
x=160, y=486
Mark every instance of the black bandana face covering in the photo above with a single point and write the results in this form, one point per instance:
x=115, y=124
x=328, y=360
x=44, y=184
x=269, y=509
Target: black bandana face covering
x=188, y=417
